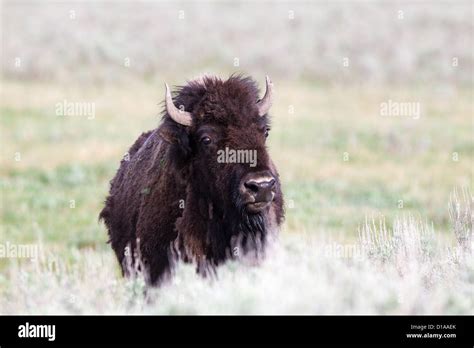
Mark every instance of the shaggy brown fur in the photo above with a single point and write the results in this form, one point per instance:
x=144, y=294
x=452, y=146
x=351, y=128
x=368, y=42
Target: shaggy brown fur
x=173, y=195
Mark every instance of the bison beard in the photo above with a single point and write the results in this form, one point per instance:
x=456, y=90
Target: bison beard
x=240, y=230
x=229, y=209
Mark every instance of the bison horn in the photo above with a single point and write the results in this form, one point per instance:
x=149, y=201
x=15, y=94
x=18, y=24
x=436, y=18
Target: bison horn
x=265, y=104
x=178, y=115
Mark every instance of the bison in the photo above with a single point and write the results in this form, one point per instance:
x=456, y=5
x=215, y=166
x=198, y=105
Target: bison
x=201, y=187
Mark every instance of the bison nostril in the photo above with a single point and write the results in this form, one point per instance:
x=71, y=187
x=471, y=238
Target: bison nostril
x=252, y=186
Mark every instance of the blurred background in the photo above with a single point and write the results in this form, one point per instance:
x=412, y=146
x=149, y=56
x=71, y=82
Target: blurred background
x=334, y=64
x=388, y=42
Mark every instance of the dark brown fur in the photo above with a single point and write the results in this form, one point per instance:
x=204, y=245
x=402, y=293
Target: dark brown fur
x=169, y=166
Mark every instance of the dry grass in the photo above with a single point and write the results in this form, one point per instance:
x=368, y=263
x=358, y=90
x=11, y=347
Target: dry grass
x=406, y=270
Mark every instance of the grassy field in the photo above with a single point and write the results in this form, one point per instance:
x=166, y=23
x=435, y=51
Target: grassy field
x=340, y=161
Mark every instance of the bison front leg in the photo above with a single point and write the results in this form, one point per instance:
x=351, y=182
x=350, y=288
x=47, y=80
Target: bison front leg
x=155, y=251
x=193, y=229
x=157, y=264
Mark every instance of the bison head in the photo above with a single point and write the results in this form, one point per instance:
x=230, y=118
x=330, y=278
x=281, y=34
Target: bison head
x=218, y=131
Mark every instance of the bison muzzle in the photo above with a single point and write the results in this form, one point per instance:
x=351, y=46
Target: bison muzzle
x=199, y=187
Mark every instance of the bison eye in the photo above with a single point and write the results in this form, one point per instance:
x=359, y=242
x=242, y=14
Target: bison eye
x=206, y=140
x=267, y=132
